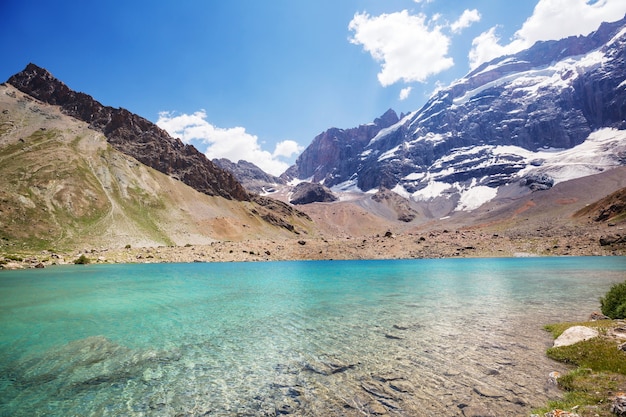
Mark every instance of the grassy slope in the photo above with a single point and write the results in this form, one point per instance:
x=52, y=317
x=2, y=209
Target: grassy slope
x=63, y=187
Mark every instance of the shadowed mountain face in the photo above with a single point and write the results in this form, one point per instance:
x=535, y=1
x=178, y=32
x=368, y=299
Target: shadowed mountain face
x=333, y=156
x=551, y=113
x=133, y=135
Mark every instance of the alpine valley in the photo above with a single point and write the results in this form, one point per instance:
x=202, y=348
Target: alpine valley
x=524, y=155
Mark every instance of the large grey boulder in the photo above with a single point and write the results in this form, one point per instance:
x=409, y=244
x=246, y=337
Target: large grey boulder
x=575, y=334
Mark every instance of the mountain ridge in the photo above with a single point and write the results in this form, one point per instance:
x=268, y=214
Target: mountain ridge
x=511, y=123
x=132, y=134
x=64, y=186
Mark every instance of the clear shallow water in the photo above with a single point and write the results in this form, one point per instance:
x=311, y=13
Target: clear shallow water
x=420, y=337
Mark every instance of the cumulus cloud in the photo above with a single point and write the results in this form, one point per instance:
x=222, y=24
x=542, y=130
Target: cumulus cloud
x=407, y=47
x=467, y=18
x=286, y=149
x=232, y=143
x=551, y=19
x=405, y=92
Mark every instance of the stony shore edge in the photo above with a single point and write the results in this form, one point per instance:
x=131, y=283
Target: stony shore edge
x=432, y=244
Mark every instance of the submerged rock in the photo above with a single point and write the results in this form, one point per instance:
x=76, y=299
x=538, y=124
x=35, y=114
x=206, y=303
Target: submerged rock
x=598, y=316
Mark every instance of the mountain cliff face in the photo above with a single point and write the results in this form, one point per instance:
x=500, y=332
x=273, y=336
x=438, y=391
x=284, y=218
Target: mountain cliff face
x=132, y=135
x=333, y=156
x=554, y=112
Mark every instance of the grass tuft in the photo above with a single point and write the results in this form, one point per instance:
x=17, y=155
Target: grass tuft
x=600, y=371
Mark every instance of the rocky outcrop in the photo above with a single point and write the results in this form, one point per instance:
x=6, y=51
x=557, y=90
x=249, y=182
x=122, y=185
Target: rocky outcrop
x=401, y=206
x=275, y=212
x=307, y=192
x=611, y=208
x=133, y=135
x=253, y=178
x=612, y=240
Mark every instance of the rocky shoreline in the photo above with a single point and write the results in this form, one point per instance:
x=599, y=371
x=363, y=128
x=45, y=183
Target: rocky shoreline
x=387, y=245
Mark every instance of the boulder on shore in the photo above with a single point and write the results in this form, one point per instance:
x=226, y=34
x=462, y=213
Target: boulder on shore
x=575, y=334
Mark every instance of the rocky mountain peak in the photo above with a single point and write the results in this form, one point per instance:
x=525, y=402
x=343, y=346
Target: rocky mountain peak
x=387, y=119
x=333, y=154
x=132, y=135
x=517, y=124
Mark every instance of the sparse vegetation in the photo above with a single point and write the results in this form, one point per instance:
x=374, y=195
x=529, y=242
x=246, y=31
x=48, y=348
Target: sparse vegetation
x=82, y=260
x=599, y=354
x=614, y=302
x=600, y=365
x=557, y=329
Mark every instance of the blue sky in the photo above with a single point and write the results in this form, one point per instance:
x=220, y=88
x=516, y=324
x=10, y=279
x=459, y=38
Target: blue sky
x=258, y=80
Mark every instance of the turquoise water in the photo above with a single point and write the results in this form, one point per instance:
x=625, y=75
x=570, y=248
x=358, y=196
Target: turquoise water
x=276, y=338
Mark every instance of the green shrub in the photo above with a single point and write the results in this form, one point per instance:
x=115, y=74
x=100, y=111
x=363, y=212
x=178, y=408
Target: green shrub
x=82, y=260
x=614, y=302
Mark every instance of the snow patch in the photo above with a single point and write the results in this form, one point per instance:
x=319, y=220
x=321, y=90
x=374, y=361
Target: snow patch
x=617, y=37
x=347, y=186
x=476, y=196
x=531, y=81
x=297, y=181
x=414, y=176
x=596, y=154
x=432, y=190
x=385, y=132
x=389, y=154
x=401, y=191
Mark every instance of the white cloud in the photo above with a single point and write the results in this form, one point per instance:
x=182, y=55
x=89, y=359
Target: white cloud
x=408, y=49
x=287, y=149
x=551, y=19
x=232, y=143
x=486, y=46
x=405, y=92
x=467, y=18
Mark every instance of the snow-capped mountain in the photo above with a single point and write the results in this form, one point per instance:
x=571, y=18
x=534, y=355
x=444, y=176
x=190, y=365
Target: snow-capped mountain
x=553, y=112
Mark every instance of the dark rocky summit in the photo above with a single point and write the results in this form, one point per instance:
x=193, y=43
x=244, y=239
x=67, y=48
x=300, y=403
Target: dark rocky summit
x=333, y=156
x=307, y=192
x=133, y=135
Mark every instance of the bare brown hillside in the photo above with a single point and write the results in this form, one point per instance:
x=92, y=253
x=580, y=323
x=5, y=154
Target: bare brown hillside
x=64, y=186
